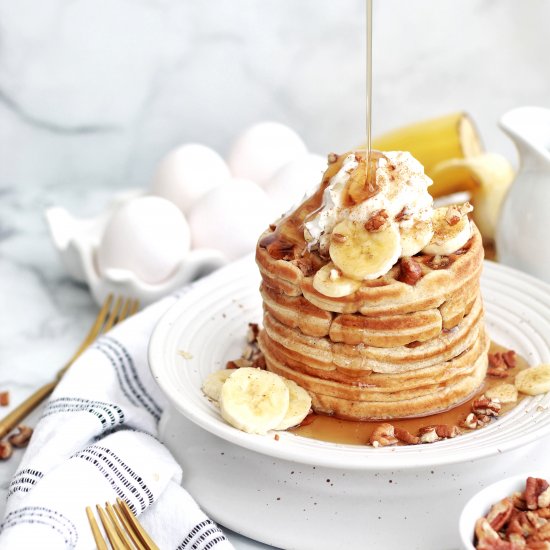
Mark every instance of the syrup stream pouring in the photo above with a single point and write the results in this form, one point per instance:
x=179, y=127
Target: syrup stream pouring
x=369, y=85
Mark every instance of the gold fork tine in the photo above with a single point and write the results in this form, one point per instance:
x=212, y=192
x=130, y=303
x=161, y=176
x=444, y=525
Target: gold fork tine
x=128, y=527
x=108, y=316
x=100, y=543
x=118, y=527
x=114, y=539
x=115, y=312
x=136, y=526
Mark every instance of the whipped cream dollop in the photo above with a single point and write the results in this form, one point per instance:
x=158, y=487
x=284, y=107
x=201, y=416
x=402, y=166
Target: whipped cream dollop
x=401, y=191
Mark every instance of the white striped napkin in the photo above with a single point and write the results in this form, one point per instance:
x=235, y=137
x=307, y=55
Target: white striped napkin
x=96, y=441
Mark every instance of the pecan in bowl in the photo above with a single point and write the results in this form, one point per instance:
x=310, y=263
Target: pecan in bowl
x=511, y=514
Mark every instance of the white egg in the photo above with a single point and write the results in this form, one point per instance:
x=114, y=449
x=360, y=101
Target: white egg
x=187, y=173
x=262, y=149
x=294, y=180
x=146, y=235
x=231, y=217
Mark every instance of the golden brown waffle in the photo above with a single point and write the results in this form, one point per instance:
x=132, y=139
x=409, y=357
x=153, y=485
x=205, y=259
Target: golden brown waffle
x=328, y=356
x=389, y=396
x=456, y=274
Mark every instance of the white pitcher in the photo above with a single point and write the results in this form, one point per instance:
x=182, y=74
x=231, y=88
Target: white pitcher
x=523, y=230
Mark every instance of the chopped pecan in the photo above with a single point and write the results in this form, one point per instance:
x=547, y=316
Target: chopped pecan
x=537, y=545
x=6, y=450
x=543, y=512
x=383, y=435
x=509, y=358
x=534, y=488
x=439, y=262
x=4, y=398
x=22, y=437
x=483, y=420
x=517, y=541
x=428, y=434
x=259, y=362
x=252, y=333
x=483, y=406
x=519, y=501
x=231, y=365
x=404, y=214
x=410, y=271
x=469, y=421
x=332, y=158
x=447, y=432
x=485, y=533
x=500, y=513
x=405, y=436
x=455, y=212
x=377, y=222
x=241, y=362
x=500, y=362
x=544, y=499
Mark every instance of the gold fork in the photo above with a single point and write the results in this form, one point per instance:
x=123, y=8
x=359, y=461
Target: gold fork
x=122, y=527
x=112, y=311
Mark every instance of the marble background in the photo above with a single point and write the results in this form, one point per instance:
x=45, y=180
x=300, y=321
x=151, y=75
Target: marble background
x=94, y=92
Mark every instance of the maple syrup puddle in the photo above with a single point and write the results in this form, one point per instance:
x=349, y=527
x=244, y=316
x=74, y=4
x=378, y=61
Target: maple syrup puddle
x=335, y=430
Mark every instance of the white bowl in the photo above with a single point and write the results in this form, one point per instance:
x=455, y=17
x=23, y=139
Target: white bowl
x=480, y=504
x=329, y=495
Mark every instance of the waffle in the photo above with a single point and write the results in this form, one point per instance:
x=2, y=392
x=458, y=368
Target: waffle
x=388, y=350
x=382, y=396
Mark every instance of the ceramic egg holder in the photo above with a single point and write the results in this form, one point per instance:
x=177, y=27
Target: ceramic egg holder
x=77, y=242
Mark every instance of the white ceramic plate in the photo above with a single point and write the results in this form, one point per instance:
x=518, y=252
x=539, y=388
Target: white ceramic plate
x=209, y=323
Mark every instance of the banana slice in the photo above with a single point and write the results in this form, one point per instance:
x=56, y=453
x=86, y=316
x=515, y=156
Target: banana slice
x=254, y=400
x=362, y=254
x=416, y=237
x=213, y=383
x=447, y=238
x=534, y=380
x=329, y=281
x=298, y=407
x=505, y=393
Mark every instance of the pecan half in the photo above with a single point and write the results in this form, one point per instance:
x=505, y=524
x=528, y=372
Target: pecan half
x=383, y=435
x=428, y=434
x=377, y=222
x=534, y=488
x=406, y=437
x=4, y=398
x=469, y=421
x=483, y=406
x=6, y=450
x=410, y=271
x=500, y=513
x=22, y=437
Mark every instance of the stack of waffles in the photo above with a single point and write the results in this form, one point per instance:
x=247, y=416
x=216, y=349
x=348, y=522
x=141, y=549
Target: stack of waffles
x=410, y=342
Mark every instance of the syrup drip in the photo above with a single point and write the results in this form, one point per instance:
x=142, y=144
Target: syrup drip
x=368, y=72
x=335, y=430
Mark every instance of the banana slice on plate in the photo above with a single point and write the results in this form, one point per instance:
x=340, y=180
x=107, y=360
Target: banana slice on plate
x=329, y=281
x=448, y=237
x=298, y=407
x=213, y=383
x=416, y=237
x=505, y=393
x=254, y=400
x=534, y=380
x=362, y=254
